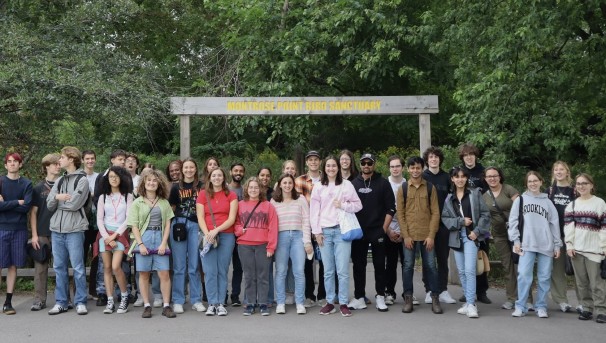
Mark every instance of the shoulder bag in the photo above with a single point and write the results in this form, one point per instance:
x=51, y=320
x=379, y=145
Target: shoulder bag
x=348, y=224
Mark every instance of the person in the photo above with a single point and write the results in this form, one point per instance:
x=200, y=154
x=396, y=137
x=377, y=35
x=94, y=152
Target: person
x=561, y=193
x=90, y=236
x=288, y=167
x=419, y=221
x=149, y=219
x=211, y=164
x=304, y=185
x=537, y=239
x=256, y=230
x=585, y=237
x=132, y=166
x=499, y=197
x=112, y=210
x=469, y=155
x=184, y=250
x=393, y=246
x=264, y=176
x=236, y=172
x=294, y=241
x=467, y=218
x=39, y=222
x=173, y=170
x=67, y=199
x=378, y=209
x=15, y=201
x=349, y=169
x=441, y=181
x=217, y=209
x=330, y=195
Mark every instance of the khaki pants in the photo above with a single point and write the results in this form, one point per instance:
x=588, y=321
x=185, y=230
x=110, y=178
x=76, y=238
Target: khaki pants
x=590, y=285
x=503, y=248
x=41, y=275
x=559, y=280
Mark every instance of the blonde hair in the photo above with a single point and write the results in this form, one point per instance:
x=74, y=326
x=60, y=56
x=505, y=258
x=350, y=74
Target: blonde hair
x=565, y=165
x=48, y=160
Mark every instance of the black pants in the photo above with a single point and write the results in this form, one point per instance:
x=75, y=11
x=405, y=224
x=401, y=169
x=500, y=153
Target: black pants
x=442, y=251
x=359, y=253
x=236, y=276
x=89, y=239
x=310, y=285
x=393, y=251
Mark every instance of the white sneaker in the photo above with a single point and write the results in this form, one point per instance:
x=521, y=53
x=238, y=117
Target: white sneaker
x=139, y=302
x=309, y=303
x=198, y=307
x=280, y=309
x=472, y=311
x=462, y=309
x=158, y=302
x=415, y=301
x=579, y=309
x=322, y=302
x=565, y=307
x=221, y=311
x=357, y=304
x=446, y=298
x=508, y=305
x=81, y=309
x=529, y=307
x=211, y=310
x=57, y=309
x=542, y=313
x=290, y=299
x=428, y=298
x=177, y=308
x=109, y=308
x=518, y=313
x=301, y=309
x=389, y=299
x=380, y=303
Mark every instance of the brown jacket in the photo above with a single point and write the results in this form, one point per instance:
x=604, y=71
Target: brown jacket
x=418, y=218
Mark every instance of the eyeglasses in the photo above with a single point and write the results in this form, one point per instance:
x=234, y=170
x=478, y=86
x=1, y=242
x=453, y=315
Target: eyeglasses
x=367, y=163
x=583, y=183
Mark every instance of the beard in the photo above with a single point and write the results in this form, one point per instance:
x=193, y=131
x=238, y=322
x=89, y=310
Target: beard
x=237, y=178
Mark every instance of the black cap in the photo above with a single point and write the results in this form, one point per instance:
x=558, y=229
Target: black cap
x=40, y=255
x=311, y=153
x=368, y=157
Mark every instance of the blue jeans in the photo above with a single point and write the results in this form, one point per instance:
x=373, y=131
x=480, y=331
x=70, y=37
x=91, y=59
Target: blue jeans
x=216, y=263
x=68, y=248
x=466, y=265
x=525, y=267
x=290, y=247
x=429, y=267
x=335, y=256
x=185, y=256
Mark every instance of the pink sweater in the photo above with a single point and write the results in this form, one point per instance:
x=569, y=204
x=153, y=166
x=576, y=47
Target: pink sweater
x=323, y=212
x=262, y=227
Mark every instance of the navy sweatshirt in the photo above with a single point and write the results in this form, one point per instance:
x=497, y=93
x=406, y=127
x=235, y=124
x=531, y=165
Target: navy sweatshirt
x=12, y=215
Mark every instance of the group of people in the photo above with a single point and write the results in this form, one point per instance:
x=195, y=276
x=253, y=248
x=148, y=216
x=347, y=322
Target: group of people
x=186, y=227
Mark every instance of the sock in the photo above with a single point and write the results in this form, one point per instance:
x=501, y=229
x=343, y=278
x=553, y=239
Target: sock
x=146, y=305
x=110, y=300
x=124, y=295
x=9, y=299
x=166, y=304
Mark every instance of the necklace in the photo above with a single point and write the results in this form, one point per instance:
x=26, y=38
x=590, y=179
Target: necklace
x=112, y=198
x=366, y=188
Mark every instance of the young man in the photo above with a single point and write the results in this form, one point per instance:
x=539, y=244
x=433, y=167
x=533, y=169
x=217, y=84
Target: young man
x=236, y=171
x=132, y=165
x=393, y=246
x=304, y=184
x=469, y=155
x=67, y=199
x=441, y=181
x=90, y=160
x=378, y=209
x=419, y=219
x=15, y=202
x=39, y=220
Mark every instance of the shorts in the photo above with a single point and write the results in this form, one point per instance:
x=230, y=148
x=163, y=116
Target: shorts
x=146, y=263
x=119, y=246
x=13, y=248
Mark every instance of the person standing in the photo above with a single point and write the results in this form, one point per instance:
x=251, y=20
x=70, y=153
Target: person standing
x=236, y=172
x=67, y=199
x=89, y=158
x=418, y=216
x=15, y=201
x=378, y=209
x=393, y=248
x=132, y=166
x=349, y=170
x=173, y=171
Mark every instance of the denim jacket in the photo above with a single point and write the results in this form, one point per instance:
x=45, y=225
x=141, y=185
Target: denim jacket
x=480, y=215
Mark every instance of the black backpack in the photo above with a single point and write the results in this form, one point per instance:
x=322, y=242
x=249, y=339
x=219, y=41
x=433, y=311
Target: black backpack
x=85, y=210
x=405, y=193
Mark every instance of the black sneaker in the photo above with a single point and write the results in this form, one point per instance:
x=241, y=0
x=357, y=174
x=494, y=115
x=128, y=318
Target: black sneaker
x=601, y=318
x=249, y=310
x=483, y=298
x=463, y=299
x=101, y=300
x=236, y=302
x=38, y=305
x=585, y=315
x=8, y=309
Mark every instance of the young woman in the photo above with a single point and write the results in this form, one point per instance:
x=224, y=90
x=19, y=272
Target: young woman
x=211, y=164
x=217, y=208
x=294, y=240
x=468, y=219
x=257, y=232
x=173, y=170
x=185, y=253
x=288, y=167
x=332, y=194
x=538, y=239
x=264, y=177
x=500, y=197
x=349, y=169
x=561, y=193
x=149, y=218
x=112, y=211
x=585, y=234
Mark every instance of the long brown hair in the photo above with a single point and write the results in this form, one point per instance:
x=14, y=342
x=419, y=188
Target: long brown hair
x=278, y=196
x=208, y=186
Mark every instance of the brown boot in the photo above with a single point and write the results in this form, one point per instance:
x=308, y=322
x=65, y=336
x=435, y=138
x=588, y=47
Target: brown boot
x=435, y=304
x=407, y=304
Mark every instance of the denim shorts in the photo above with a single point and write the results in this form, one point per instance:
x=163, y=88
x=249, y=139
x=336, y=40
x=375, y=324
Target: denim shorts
x=146, y=263
x=119, y=246
x=12, y=248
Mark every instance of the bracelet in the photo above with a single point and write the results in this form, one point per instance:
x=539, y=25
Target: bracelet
x=138, y=244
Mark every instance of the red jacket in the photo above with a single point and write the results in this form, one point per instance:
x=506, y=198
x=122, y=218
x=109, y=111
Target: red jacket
x=262, y=227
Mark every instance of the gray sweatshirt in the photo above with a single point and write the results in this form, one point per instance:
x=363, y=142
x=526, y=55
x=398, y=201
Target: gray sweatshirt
x=69, y=215
x=541, y=224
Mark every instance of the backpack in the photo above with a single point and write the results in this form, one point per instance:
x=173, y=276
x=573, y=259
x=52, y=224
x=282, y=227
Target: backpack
x=405, y=192
x=86, y=209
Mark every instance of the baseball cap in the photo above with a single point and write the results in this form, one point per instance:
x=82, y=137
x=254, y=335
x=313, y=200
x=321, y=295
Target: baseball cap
x=311, y=153
x=368, y=157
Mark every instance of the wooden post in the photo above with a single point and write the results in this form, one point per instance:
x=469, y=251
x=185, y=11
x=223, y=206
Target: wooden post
x=424, y=133
x=185, y=138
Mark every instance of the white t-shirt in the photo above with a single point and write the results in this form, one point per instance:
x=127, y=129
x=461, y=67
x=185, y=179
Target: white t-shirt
x=395, y=226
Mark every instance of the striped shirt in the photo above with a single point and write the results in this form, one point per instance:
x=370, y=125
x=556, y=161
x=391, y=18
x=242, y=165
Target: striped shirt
x=294, y=215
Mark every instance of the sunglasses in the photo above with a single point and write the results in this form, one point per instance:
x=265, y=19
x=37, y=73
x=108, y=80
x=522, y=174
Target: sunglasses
x=367, y=163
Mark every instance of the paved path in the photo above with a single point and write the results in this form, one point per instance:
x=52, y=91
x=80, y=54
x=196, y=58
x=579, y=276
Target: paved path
x=494, y=325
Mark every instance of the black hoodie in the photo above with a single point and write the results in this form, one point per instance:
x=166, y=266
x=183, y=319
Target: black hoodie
x=377, y=200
